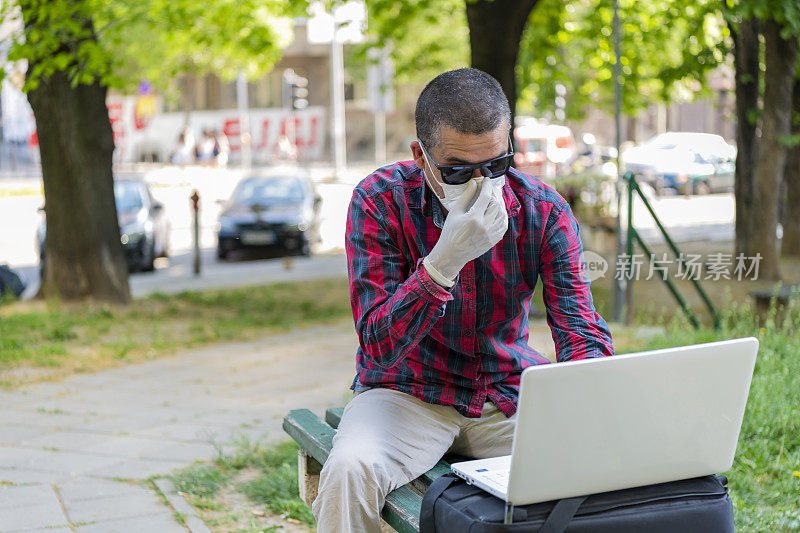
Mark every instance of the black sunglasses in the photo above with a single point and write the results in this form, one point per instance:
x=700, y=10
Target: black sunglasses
x=460, y=174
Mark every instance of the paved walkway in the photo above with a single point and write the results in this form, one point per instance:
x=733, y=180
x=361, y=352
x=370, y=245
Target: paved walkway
x=73, y=453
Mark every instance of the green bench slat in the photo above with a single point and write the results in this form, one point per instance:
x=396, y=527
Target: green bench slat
x=333, y=416
x=310, y=432
x=402, y=507
x=401, y=510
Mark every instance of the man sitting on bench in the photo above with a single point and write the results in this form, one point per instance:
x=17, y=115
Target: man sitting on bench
x=444, y=254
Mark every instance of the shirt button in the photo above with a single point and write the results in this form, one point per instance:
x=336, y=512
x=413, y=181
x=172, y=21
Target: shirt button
x=468, y=290
x=468, y=332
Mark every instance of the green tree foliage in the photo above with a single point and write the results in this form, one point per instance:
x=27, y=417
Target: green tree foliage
x=667, y=48
x=119, y=42
x=427, y=37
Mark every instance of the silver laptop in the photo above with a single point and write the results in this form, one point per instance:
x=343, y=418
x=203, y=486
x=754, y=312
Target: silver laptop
x=625, y=421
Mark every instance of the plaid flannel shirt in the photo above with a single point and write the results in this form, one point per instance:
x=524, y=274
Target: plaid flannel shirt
x=462, y=345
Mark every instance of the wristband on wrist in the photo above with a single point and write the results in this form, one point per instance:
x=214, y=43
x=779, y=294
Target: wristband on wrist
x=437, y=276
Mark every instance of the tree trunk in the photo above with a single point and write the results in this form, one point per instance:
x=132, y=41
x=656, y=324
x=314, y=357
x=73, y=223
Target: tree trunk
x=791, y=207
x=83, y=254
x=778, y=82
x=746, y=51
x=495, y=30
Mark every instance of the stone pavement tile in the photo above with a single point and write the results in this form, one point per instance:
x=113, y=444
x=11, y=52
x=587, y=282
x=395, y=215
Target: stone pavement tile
x=233, y=417
x=23, y=475
x=14, y=415
x=85, y=488
x=58, y=461
x=137, y=469
x=190, y=431
x=181, y=451
x=157, y=523
x=15, y=456
x=116, y=425
x=158, y=448
x=19, y=434
x=67, y=440
x=115, y=507
x=47, y=420
x=20, y=496
x=45, y=512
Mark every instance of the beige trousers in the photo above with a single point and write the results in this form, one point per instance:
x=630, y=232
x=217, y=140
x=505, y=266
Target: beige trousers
x=387, y=438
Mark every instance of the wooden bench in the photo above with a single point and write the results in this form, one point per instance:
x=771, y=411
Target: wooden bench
x=315, y=437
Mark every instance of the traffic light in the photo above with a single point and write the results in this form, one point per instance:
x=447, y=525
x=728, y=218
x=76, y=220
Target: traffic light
x=295, y=91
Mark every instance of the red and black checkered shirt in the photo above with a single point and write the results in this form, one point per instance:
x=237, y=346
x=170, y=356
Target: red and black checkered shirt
x=461, y=346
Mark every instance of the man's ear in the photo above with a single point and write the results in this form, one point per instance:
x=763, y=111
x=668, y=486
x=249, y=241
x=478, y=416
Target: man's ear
x=416, y=154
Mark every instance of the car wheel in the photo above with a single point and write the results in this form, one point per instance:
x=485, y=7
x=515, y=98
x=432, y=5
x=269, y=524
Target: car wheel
x=165, y=247
x=148, y=261
x=222, y=255
x=702, y=188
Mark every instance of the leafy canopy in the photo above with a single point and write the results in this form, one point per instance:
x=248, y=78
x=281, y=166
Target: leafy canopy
x=667, y=49
x=119, y=42
x=427, y=37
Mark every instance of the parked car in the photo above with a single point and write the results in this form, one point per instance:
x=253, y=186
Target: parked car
x=544, y=150
x=143, y=225
x=10, y=283
x=270, y=211
x=687, y=162
x=690, y=172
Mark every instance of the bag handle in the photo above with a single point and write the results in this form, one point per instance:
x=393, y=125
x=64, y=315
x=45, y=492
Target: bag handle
x=559, y=518
x=426, y=518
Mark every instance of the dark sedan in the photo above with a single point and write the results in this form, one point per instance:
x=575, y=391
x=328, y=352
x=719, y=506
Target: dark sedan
x=269, y=211
x=144, y=228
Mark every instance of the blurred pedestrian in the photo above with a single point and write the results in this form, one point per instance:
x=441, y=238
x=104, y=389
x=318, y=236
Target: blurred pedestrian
x=285, y=149
x=222, y=149
x=184, y=152
x=206, y=148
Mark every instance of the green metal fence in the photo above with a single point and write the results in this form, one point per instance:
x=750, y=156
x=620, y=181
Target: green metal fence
x=633, y=235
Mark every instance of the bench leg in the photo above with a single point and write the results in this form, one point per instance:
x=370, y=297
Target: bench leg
x=308, y=470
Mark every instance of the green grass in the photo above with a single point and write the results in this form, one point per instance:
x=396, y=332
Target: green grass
x=765, y=478
x=58, y=338
x=21, y=191
x=276, y=486
x=267, y=476
x=203, y=481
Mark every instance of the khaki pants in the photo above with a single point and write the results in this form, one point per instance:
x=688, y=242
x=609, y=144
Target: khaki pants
x=387, y=438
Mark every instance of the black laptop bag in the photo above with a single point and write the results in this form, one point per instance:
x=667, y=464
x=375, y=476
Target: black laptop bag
x=697, y=505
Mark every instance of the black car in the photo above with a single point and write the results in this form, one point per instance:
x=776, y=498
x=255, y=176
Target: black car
x=269, y=211
x=143, y=225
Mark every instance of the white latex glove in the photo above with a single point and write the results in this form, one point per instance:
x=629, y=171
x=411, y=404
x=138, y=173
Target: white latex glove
x=470, y=230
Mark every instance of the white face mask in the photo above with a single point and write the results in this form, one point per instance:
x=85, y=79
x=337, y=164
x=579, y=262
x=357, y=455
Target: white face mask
x=452, y=193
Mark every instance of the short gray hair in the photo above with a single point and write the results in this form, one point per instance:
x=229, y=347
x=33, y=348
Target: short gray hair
x=466, y=99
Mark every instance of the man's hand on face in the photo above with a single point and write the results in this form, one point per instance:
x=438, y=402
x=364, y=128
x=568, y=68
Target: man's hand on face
x=470, y=230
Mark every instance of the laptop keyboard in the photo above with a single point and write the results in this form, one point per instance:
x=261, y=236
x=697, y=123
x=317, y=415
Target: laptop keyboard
x=496, y=477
